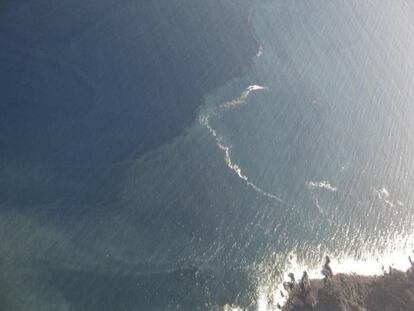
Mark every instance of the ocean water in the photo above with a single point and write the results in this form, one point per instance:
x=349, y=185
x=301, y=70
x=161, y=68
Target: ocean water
x=177, y=155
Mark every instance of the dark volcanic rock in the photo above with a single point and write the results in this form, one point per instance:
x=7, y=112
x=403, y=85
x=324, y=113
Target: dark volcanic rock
x=393, y=291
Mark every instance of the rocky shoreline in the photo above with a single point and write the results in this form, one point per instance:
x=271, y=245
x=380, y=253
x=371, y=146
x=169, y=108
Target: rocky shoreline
x=394, y=290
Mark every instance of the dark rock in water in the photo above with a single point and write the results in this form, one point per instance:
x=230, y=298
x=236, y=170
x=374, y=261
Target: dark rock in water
x=326, y=270
x=353, y=292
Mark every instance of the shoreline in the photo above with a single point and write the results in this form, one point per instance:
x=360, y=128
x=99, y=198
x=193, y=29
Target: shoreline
x=394, y=290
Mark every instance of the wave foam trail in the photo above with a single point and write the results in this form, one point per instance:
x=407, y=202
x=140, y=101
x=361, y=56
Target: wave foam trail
x=322, y=184
x=241, y=100
x=205, y=121
x=259, y=52
x=384, y=195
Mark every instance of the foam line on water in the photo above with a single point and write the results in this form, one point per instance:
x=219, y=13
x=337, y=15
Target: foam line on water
x=241, y=100
x=384, y=195
x=322, y=185
x=227, y=106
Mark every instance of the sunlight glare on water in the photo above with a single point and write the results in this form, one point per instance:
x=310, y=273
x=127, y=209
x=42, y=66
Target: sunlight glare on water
x=371, y=263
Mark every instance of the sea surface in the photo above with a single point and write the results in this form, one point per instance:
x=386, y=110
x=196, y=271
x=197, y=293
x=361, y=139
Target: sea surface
x=185, y=155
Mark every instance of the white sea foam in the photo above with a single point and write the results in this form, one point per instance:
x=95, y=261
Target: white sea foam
x=322, y=185
x=259, y=51
x=384, y=195
x=325, y=185
x=241, y=100
x=205, y=121
x=232, y=308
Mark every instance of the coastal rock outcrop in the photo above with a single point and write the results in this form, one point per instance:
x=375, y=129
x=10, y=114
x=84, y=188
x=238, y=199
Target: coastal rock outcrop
x=350, y=292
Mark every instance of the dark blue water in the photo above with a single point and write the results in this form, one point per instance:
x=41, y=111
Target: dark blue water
x=87, y=86
x=182, y=155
